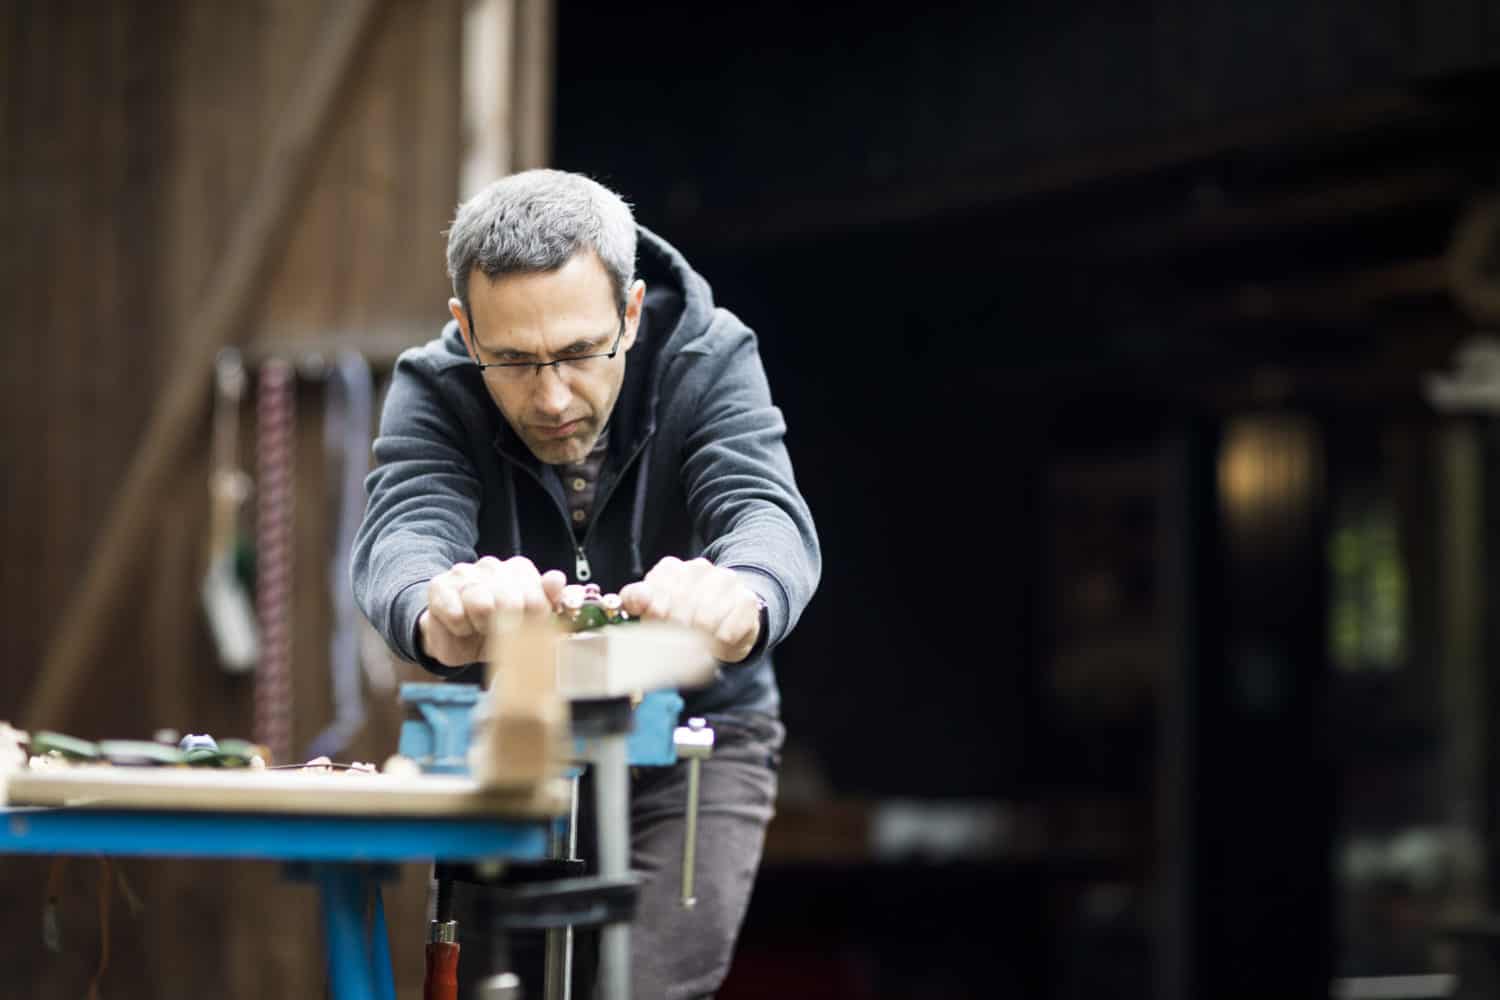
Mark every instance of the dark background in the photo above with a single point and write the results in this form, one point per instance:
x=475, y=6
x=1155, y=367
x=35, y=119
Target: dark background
x=1024, y=276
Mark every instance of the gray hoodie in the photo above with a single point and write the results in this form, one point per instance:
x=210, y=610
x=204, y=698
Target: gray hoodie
x=696, y=466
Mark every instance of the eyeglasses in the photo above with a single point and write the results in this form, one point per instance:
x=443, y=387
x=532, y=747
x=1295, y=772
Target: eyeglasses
x=516, y=371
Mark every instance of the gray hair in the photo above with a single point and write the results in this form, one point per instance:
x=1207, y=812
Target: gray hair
x=537, y=220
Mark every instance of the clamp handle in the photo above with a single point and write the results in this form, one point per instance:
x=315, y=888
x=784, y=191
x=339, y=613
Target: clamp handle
x=694, y=741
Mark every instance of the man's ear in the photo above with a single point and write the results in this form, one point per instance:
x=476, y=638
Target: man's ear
x=635, y=301
x=457, y=309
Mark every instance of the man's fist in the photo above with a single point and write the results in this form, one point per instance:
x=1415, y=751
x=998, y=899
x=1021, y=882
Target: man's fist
x=700, y=595
x=463, y=602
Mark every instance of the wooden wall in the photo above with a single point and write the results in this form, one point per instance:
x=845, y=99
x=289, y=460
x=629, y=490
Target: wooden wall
x=130, y=138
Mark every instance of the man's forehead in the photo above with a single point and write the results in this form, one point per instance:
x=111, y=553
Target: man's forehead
x=581, y=284
x=540, y=325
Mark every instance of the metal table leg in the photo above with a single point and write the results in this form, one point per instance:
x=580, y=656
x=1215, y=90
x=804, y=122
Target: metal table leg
x=357, y=966
x=380, y=949
x=612, y=806
x=559, y=974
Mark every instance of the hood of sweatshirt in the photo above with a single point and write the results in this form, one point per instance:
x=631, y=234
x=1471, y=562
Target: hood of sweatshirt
x=678, y=309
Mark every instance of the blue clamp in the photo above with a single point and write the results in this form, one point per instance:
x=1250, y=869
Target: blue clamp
x=437, y=736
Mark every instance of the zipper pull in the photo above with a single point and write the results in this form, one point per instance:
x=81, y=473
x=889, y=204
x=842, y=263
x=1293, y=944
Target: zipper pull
x=581, y=570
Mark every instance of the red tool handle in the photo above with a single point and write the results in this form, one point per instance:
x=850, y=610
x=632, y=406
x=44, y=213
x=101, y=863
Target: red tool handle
x=441, y=982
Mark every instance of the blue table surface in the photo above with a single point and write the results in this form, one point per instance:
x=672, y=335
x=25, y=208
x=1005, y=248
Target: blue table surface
x=276, y=837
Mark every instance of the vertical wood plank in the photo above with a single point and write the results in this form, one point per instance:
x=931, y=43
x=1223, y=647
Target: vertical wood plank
x=533, y=83
x=488, y=54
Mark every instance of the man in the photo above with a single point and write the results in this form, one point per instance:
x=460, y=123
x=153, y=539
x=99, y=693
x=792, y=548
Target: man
x=579, y=418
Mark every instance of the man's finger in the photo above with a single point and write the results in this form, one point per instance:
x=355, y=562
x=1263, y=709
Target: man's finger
x=479, y=606
x=666, y=565
x=660, y=608
x=535, y=598
x=508, y=594
x=647, y=600
x=553, y=582
x=737, y=633
x=703, y=610
x=521, y=568
x=446, y=604
x=441, y=644
x=464, y=572
x=636, y=599
x=717, y=592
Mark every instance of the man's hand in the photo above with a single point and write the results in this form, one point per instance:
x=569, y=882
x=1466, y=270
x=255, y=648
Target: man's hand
x=700, y=595
x=462, y=604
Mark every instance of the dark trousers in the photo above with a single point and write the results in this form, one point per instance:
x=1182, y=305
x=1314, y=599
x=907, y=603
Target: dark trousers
x=674, y=952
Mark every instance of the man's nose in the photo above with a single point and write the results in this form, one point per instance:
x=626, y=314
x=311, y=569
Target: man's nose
x=550, y=390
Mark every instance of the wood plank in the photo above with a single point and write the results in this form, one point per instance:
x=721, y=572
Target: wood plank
x=488, y=53
x=68, y=295
x=303, y=793
x=432, y=184
x=231, y=299
x=532, y=85
x=372, y=147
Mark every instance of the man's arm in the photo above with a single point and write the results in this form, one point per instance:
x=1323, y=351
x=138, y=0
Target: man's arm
x=737, y=475
x=421, y=518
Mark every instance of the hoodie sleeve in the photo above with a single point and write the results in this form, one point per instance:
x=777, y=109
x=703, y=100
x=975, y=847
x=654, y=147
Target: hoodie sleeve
x=737, y=475
x=422, y=513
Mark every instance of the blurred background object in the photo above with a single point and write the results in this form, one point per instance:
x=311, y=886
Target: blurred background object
x=1139, y=367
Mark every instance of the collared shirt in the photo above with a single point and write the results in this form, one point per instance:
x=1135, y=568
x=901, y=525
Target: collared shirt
x=580, y=481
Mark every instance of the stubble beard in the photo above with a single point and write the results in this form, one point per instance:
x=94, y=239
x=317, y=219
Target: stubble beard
x=572, y=449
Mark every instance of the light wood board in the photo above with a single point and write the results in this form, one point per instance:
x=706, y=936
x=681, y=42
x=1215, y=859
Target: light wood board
x=318, y=793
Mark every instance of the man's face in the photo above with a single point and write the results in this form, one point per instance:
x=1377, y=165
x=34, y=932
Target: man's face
x=560, y=410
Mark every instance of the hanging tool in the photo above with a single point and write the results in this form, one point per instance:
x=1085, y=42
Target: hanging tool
x=275, y=423
x=225, y=591
x=346, y=438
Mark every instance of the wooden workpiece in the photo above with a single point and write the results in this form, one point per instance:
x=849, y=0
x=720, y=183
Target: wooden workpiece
x=521, y=724
x=302, y=792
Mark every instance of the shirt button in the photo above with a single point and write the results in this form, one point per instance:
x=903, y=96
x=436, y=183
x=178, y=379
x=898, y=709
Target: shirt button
x=578, y=516
x=578, y=485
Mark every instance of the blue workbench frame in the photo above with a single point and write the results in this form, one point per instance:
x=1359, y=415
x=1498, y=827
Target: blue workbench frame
x=345, y=855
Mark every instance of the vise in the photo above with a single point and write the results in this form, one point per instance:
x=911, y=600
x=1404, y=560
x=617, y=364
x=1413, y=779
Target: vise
x=613, y=729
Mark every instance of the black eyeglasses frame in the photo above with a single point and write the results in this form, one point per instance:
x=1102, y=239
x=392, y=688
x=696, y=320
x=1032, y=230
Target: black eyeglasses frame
x=484, y=366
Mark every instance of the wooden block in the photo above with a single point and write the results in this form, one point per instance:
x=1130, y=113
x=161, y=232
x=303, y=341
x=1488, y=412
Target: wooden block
x=620, y=660
x=521, y=724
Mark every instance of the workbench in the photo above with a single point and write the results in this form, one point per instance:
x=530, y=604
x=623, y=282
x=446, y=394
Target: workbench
x=346, y=856
x=343, y=831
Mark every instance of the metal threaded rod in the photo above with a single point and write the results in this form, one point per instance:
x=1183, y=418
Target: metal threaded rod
x=690, y=835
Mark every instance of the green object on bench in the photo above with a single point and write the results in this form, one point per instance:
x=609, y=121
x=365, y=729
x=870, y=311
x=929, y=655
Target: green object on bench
x=71, y=747
x=140, y=752
x=231, y=753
